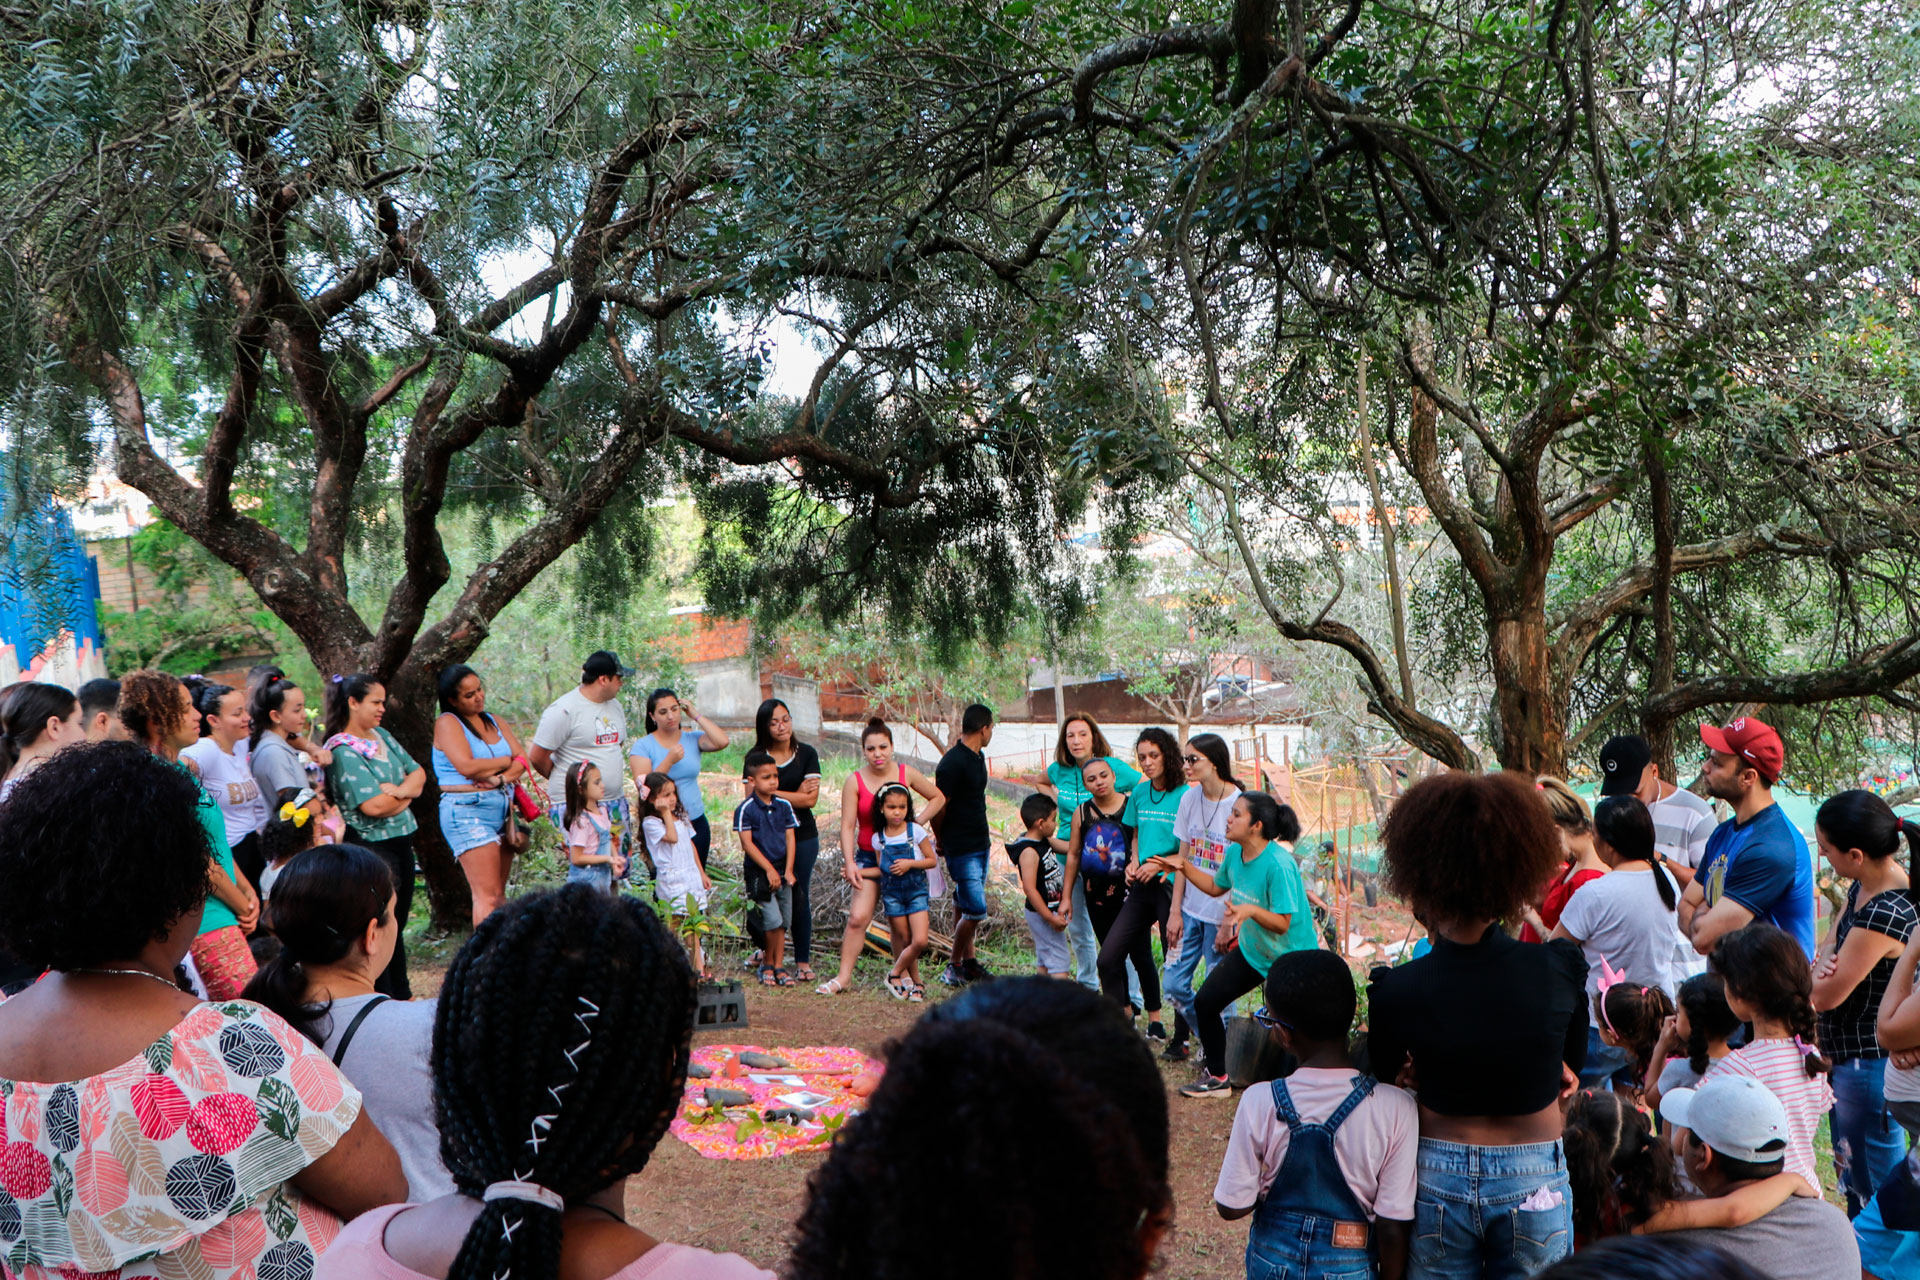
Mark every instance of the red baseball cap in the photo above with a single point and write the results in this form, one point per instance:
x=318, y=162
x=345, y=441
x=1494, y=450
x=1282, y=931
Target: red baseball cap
x=1753, y=741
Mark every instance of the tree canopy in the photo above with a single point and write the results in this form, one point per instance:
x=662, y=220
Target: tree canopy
x=1634, y=286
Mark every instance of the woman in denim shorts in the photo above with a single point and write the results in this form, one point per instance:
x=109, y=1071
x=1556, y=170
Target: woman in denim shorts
x=1488, y=1032
x=476, y=761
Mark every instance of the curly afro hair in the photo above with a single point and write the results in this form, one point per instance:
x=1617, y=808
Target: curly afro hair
x=101, y=853
x=1467, y=846
x=1044, y=1109
x=150, y=704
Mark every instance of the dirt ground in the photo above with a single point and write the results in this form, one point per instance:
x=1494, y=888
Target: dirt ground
x=729, y=1204
x=746, y=1206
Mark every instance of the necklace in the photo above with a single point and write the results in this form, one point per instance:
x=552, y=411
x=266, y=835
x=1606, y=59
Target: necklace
x=1213, y=813
x=131, y=973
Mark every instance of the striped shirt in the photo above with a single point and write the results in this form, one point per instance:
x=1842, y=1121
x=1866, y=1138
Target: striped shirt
x=1681, y=824
x=1782, y=1067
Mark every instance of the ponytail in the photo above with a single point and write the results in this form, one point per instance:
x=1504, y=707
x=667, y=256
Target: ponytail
x=1766, y=968
x=1625, y=825
x=322, y=904
x=342, y=691
x=1704, y=997
x=1861, y=820
x=28, y=708
x=268, y=697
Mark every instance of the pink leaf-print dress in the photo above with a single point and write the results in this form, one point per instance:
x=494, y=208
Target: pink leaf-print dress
x=175, y=1163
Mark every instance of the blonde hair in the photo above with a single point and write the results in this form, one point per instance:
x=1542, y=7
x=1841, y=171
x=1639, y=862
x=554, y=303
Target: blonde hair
x=1570, y=812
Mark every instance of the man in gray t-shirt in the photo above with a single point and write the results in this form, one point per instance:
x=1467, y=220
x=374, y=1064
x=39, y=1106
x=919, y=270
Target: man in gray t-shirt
x=586, y=723
x=1735, y=1132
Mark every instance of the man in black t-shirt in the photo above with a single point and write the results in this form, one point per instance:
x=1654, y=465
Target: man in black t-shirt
x=965, y=837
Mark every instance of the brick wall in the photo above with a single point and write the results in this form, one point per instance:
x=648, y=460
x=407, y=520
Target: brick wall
x=126, y=585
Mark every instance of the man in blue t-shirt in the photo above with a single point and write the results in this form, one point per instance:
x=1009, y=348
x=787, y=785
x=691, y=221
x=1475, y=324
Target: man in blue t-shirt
x=1756, y=866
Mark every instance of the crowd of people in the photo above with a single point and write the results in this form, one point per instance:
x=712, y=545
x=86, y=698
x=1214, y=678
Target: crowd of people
x=213, y=1064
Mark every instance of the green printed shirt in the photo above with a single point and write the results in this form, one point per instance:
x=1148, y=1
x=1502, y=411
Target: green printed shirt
x=354, y=780
x=1272, y=883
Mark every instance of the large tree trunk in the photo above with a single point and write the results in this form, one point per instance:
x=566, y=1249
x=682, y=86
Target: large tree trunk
x=1531, y=716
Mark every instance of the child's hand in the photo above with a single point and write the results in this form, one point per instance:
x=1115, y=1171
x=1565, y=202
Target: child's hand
x=620, y=865
x=705, y=883
x=898, y=867
x=773, y=879
x=1055, y=919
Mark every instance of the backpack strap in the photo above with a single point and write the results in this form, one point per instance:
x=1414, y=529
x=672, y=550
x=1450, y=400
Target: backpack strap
x=346, y=1037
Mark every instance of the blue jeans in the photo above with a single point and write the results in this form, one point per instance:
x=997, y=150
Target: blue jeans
x=1086, y=948
x=1867, y=1144
x=1603, y=1060
x=1468, y=1220
x=969, y=872
x=1198, y=940
x=805, y=853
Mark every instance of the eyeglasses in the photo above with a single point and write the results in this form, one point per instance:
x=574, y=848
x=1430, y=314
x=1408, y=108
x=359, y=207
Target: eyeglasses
x=1268, y=1021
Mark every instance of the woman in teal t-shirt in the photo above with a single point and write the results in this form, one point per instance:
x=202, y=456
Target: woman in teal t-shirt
x=1267, y=915
x=1151, y=806
x=1081, y=741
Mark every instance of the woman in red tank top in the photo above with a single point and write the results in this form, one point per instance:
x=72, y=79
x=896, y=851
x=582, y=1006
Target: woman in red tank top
x=1571, y=815
x=856, y=838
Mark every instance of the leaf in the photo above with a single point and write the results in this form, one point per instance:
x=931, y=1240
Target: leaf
x=159, y=1055
x=279, y=1212
x=279, y=1109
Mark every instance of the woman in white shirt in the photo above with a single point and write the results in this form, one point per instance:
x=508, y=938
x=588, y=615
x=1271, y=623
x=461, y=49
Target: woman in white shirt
x=1624, y=919
x=226, y=773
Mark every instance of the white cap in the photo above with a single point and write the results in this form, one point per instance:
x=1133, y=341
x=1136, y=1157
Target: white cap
x=1735, y=1115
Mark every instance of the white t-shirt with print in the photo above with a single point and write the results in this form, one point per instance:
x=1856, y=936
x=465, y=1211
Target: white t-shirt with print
x=1204, y=822
x=577, y=728
x=228, y=778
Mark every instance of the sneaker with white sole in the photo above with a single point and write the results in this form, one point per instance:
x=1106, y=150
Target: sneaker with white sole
x=953, y=977
x=1208, y=1087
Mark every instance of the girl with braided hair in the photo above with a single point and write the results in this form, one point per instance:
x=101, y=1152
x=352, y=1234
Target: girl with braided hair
x=1770, y=986
x=559, y=1053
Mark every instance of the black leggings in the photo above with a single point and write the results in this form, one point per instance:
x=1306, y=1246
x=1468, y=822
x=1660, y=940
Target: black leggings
x=397, y=853
x=1232, y=978
x=1130, y=937
x=247, y=860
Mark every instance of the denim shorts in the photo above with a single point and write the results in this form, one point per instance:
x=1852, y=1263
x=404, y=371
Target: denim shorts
x=903, y=895
x=1498, y=1212
x=969, y=872
x=471, y=819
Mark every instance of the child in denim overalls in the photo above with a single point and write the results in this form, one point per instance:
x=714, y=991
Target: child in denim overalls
x=1340, y=1201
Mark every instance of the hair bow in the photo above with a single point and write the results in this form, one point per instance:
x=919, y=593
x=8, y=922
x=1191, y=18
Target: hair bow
x=644, y=793
x=289, y=812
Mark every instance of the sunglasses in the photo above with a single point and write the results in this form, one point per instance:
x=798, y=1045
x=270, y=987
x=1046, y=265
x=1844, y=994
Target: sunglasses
x=1191, y=759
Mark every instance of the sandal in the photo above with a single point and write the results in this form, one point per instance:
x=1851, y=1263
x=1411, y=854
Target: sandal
x=803, y=972
x=897, y=987
x=916, y=994
x=769, y=976
x=831, y=987
x=782, y=978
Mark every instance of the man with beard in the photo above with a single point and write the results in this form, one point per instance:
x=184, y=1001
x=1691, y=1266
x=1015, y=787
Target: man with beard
x=1757, y=866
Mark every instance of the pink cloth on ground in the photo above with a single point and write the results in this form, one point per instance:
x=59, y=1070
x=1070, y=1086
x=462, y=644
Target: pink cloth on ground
x=360, y=1253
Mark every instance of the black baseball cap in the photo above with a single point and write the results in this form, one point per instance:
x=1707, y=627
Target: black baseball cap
x=1622, y=761
x=601, y=663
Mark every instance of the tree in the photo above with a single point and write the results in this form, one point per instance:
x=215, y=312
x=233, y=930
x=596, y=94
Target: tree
x=1167, y=646
x=903, y=675
x=366, y=264
x=1630, y=278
